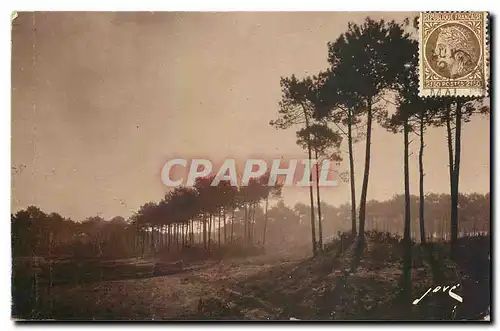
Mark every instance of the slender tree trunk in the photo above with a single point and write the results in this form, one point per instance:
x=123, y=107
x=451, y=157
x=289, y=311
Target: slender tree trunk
x=180, y=228
x=156, y=229
x=250, y=223
x=204, y=220
x=172, y=235
x=138, y=237
x=407, y=229
x=181, y=235
x=249, y=226
x=366, y=174
x=152, y=241
x=192, y=231
x=218, y=230
x=225, y=226
x=169, y=238
x=254, y=224
x=186, y=234
x=245, y=225
x=176, y=238
x=351, y=172
x=200, y=231
x=163, y=236
x=456, y=176
x=449, y=140
x=232, y=225
x=198, y=234
x=311, y=197
x=210, y=230
x=143, y=235
x=318, y=199
x=265, y=221
x=421, y=179
x=160, y=232
x=313, y=227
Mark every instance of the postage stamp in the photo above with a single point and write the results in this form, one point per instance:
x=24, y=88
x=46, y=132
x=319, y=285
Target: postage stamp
x=453, y=54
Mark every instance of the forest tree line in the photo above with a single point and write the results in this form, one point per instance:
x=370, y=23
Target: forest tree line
x=36, y=233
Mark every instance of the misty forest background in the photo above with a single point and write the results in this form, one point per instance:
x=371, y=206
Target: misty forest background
x=372, y=77
x=36, y=233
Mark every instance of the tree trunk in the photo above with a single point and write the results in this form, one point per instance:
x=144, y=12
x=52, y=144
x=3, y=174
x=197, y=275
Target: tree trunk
x=232, y=225
x=249, y=226
x=192, y=231
x=169, y=236
x=204, y=219
x=152, y=240
x=351, y=171
x=421, y=179
x=186, y=235
x=210, y=230
x=175, y=238
x=164, y=236
x=181, y=235
x=265, y=221
x=198, y=234
x=366, y=174
x=225, y=226
x=245, y=225
x=138, y=237
x=311, y=197
x=218, y=230
x=160, y=231
x=407, y=235
x=254, y=224
x=449, y=140
x=313, y=228
x=143, y=235
x=200, y=231
x=318, y=199
x=456, y=176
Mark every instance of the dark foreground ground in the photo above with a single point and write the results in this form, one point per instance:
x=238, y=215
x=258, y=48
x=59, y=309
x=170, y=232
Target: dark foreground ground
x=335, y=286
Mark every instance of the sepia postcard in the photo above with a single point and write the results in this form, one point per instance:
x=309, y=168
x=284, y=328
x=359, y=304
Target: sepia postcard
x=292, y=166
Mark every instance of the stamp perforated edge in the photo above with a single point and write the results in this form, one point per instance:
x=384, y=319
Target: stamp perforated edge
x=486, y=63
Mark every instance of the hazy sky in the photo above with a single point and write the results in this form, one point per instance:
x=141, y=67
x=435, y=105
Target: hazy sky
x=101, y=100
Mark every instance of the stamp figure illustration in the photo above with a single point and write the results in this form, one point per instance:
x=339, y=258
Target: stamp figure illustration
x=454, y=54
